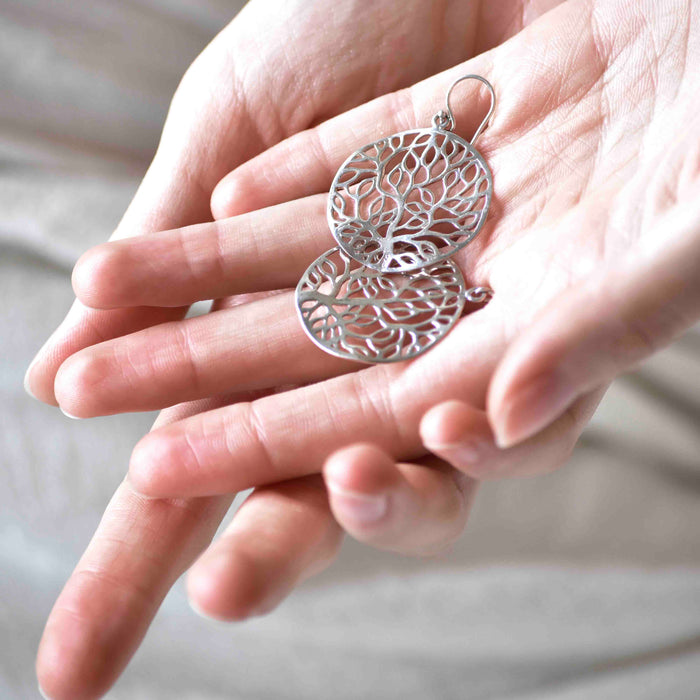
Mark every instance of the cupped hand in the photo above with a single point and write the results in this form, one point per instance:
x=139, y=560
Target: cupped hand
x=591, y=251
x=247, y=91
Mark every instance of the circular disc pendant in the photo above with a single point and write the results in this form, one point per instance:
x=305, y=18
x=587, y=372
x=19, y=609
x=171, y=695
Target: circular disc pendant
x=409, y=200
x=359, y=313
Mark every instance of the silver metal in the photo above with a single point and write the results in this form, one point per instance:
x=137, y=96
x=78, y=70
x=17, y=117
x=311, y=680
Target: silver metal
x=409, y=200
x=448, y=118
x=358, y=313
x=399, y=208
x=477, y=295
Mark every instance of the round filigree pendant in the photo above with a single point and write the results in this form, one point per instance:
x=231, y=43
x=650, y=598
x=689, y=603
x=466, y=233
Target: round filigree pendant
x=359, y=313
x=399, y=208
x=409, y=200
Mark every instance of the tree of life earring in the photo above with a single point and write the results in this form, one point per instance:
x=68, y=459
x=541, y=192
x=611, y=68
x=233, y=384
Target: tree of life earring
x=398, y=208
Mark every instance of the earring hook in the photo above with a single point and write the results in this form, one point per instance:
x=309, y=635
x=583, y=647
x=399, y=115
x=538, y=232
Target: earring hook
x=446, y=119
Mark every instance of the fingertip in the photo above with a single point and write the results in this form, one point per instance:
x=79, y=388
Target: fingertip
x=402, y=507
x=449, y=423
x=82, y=328
x=202, y=587
x=27, y=382
x=528, y=407
x=69, y=415
x=461, y=435
x=33, y=385
x=67, y=667
x=237, y=193
x=497, y=395
x=201, y=612
x=98, y=274
x=160, y=461
x=213, y=595
x=50, y=668
x=360, y=480
x=224, y=198
x=231, y=586
x=531, y=385
x=151, y=460
x=443, y=424
x=77, y=381
x=362, y=468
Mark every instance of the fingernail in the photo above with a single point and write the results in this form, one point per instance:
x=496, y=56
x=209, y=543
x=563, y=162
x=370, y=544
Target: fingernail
x=463, y=452
x=27, y=388
x=530, y=409
x=68, y=415
x=360, y=507
x=33, y=363
x=43, y=694
x=201, y=612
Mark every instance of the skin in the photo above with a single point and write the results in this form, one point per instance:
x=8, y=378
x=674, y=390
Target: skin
x=595, y=150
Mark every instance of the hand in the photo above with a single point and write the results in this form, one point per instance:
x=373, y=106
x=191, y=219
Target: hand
x=235, y=101
x=585, y=182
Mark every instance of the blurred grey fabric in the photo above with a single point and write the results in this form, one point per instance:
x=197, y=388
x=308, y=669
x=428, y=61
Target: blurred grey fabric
x=582, y=584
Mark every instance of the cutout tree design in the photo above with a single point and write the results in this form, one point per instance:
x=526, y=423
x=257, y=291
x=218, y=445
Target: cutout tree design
x=409, y=200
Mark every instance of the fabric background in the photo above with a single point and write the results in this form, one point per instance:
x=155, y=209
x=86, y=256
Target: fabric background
x=582, y=584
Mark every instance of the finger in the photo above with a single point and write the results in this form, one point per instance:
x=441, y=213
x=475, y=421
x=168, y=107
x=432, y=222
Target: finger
x=290, y=434
x=108, y=603
x=206, y=134
x=210, y=132
x=81, y=328
x=255, y=345
x=598, y=330
x=415, y=509
x=262, y=250
x=138, y=551
x=305, y=163
x=461, y=435
x=278, y=537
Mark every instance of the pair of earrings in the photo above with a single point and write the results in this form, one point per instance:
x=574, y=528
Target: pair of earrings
x=399, y=208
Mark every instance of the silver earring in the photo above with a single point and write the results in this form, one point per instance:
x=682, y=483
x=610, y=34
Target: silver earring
x=399, y=208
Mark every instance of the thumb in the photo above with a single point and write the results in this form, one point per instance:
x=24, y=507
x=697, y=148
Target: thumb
x=599, y=329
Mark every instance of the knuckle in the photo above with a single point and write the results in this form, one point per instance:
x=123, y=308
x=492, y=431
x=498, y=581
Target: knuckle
x=188, y=352
x=638, y=342
x=378, y=409
x=254, y=426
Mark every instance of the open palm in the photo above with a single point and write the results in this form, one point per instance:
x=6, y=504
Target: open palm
x=594, y=156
